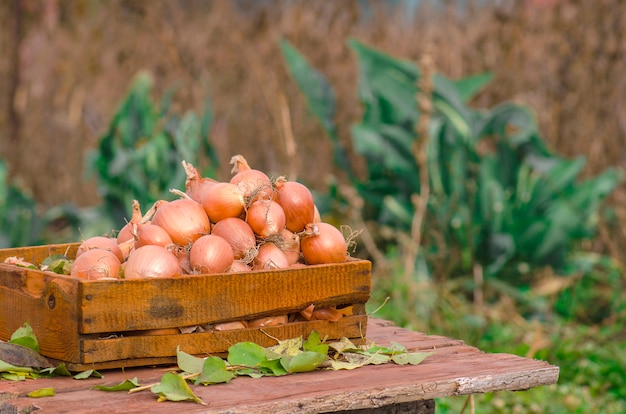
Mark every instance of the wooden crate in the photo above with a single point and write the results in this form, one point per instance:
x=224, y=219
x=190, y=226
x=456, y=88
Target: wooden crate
x=92, y=324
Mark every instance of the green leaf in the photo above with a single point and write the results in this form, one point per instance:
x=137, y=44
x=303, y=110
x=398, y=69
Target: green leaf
x=274, y=366
x=88, y=374
x=214, y=371
x=189, y=363
x=42, y=392
x=60, y=371
x=6, y=367
x=314, y=344
x=305, y=361
x=174, y=388
x=246, y=353
x=25, y=336
x=469, y=86
x=122, y=386
x=411, y=358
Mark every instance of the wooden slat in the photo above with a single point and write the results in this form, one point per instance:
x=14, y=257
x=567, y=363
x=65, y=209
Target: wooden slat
x=126, y=305
x=132, y=351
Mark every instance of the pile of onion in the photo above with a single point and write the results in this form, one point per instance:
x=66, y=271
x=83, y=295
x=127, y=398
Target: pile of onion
x=247, y=223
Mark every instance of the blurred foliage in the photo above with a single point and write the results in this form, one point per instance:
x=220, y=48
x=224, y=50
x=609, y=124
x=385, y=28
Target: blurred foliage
x=498, y=195
x=139, y=157
x=20, y=224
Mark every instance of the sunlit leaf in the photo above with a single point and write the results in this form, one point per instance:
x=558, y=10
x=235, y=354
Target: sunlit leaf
x=214, y=371
x=288, y=346
x=303, y=362
x=189, y=363
x=174, y=388
x=315, y=344
x=122, y=386
x=366, y=359
x=42, y=392
x=25, y=336
x=246, y=353
x=343, y=345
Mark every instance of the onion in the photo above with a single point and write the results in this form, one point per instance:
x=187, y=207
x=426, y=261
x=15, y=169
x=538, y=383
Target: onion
x=289, y=243
x=151, y=261
x=323, y=243
x=101, y=242
x=96, y=264
x=253, y=183
x=270, y=257
x=297, y=202
x=268, y=321
x=211, y=254
x=266, y=217
x=239, y=267
x=149, y=233
x=183, y=219
x=196, y=186
x=128, y=231
x=229, y=326
x=239, y=235
x=223, y=200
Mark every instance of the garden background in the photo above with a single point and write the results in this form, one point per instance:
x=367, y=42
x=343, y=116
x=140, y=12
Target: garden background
x=241, y=76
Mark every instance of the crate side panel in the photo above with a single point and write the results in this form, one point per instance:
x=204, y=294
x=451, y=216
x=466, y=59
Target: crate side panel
x=129, y=348
x=36, y=254
x=128, y=305
x=47, y=303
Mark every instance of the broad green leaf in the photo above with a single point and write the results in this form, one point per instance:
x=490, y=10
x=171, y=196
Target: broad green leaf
x=469, y=86
x=122, y=386
x=15, y=376
x=274, y=366
x=189, y=363
x=88, y=374
x=174, y=388
x=42, y=392
x=314, y=344
x=214, y=371
x=411, y=358
x=246, y=353
x=25, y=336
x=305, y=361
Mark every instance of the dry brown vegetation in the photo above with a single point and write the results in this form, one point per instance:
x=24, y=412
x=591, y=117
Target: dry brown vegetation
x=67, y=64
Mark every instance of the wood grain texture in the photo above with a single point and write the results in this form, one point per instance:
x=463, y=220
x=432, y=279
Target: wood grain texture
x=454, y=369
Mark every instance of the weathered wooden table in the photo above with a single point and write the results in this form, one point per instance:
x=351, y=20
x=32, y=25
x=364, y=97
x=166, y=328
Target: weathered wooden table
x=453, y=369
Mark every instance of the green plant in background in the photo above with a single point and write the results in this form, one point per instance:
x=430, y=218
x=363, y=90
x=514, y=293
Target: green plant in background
x=19, y=222
x=139, y=157
x=497, y=194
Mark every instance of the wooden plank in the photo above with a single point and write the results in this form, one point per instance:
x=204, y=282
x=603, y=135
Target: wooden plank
x=161, y=349
x=126, y=305
x=453, y=369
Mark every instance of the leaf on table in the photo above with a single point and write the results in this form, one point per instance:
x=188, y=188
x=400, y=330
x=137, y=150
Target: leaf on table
x=287, y=347
x=246, y=353
x=214, y=371
x=336, y=365
x=344, y=345
x=25, y=336
x=15, y=376
x=411, y=358
x=315, y=344
x=366, y=359
x=126, y=385
x=175, y=388
x=58, y=371
x=189, y=363
x=305, y=361
x=23, y=356
x=42, y=392
x=274, y=366
x=88, y=374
